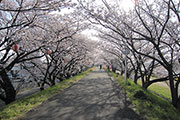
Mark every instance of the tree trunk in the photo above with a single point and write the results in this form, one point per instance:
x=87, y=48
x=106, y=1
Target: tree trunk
x=122, y=72
x=10, y=92
x=42, y=86
x=142, y=80
x=178, y=103
x=147, y=82
x=174, y=94
x=53, y=81
x=114, y=69
x=129, y=73
x=146, y=85
x=135, y=76
x=176, y=90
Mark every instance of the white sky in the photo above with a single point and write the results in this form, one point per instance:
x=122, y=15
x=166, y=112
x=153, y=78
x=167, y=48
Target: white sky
x=127, y=5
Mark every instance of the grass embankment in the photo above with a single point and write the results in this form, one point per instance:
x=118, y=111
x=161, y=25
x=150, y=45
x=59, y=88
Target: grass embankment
x=19, y=107
x=148, y=105
x=159, y=89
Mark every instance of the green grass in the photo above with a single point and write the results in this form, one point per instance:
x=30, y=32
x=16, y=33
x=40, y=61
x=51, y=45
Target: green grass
x=19, y=107
x=152, y=107
x=160, y=89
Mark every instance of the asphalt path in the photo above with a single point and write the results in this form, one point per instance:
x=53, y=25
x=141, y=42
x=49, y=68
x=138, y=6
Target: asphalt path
x=96, y=97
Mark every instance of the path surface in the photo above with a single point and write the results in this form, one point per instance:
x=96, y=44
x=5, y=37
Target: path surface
x=95, y=97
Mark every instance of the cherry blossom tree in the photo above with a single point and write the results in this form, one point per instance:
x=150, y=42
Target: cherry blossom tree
x=17, y=23
x=149, y=31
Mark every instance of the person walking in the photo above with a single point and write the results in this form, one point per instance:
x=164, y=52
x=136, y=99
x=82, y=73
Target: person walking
x=100, y=66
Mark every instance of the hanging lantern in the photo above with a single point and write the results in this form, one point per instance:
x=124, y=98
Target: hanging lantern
x=48, y=51
x=15, y=47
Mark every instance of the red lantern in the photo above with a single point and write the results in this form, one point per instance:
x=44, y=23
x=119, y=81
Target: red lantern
x=48, y=52
x=15, y=47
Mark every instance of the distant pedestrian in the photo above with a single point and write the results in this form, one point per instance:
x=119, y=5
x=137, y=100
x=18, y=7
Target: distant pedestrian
x=100, y=66
x=108, y=67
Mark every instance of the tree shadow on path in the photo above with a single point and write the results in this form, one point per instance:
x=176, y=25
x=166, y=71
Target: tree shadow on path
x=92, y=98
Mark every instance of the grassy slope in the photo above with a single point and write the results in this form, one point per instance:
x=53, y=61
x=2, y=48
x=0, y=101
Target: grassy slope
x=21, y=106
x=151, y=108
x=160, y=89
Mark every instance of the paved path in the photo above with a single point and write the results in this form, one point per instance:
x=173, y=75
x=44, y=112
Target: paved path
x=95, y=97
